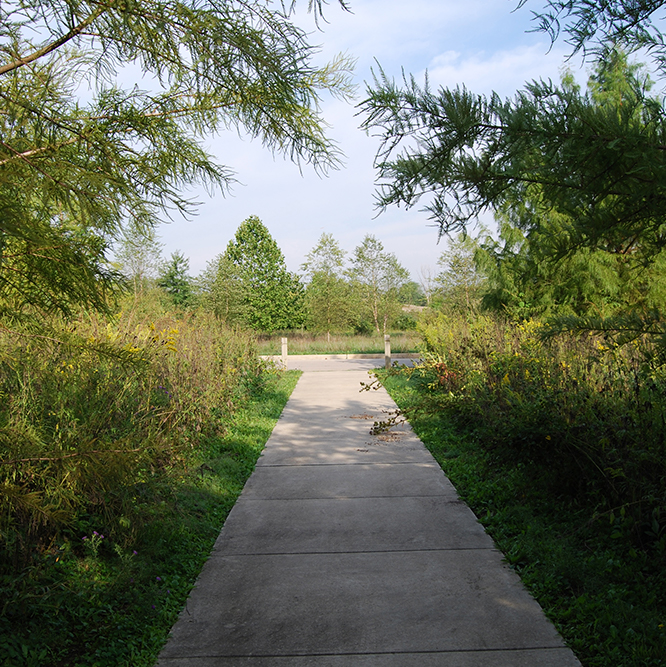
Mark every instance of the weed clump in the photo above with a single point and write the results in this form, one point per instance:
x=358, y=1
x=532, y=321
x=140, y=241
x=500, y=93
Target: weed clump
x=560, y=449
x=122, y=449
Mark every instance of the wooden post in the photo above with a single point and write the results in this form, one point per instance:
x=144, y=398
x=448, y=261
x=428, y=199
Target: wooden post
x=284, y=352
x=387, y=351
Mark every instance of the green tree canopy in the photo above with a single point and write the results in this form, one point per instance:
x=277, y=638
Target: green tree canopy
x=222, y=291
x=460, y=280
x=596, y=28
x=329, y=303
x=377, y=276
x=326, y=257
x=411, y=293
x=80, y=156
x=175, y=280
x=527, y=276
x=273, y=297
x=598, y=161
x=139, y=254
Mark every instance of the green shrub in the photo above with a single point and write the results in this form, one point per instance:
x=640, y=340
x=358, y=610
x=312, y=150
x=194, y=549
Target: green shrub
x=82, y=425
x=559, y=449
x=591, y=416
x=119, y=460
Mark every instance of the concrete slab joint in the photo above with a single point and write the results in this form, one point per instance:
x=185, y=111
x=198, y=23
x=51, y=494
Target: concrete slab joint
x=347, y=549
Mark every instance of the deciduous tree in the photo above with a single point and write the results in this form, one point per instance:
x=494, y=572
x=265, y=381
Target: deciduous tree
x=378, y=277
x=222, y=291
x=139, y=254
x=329, y=302
x=272, y=297
x=460, y=280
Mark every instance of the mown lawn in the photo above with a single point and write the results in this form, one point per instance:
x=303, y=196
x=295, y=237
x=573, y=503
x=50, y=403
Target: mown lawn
x=302, y=342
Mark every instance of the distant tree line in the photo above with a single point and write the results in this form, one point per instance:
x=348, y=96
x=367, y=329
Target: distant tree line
x=249, y=284
x=533, y=265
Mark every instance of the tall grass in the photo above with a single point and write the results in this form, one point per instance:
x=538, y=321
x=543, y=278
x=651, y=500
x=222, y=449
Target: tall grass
x=109, y=442
x=592, y=413
x=81, y=423
x=302, y=342
x=560, y=448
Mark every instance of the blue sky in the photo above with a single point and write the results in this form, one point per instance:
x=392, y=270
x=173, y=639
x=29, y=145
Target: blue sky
x=484, y=44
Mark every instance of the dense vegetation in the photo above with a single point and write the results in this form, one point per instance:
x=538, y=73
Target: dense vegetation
x=133, y=403
x=249, y=284
x=120, y=460
x=560, y=449
x=543, y=389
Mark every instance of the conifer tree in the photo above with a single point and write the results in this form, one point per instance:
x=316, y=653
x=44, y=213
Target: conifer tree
x=596, y=158
x=581, y=172
x=174, y=279
x=528, y=276
x=81, y=156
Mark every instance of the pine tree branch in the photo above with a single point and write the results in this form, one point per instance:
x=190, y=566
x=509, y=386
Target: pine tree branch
x=36, y=151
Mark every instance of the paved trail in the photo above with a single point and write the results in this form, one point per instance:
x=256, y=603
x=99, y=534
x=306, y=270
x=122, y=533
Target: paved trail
x=352, y=550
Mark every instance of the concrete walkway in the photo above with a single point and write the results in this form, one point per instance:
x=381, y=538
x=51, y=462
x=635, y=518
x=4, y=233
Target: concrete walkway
x=347, y=549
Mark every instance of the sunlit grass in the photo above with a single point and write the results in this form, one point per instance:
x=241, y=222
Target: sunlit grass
x=95, y=602
x=300, y=342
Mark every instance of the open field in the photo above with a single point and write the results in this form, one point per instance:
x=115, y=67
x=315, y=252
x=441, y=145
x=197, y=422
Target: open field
x=302, y=342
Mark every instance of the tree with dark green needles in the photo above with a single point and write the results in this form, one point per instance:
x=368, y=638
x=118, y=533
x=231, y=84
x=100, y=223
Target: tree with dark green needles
x=601, y=165
x=576, y=171
x=175, y=280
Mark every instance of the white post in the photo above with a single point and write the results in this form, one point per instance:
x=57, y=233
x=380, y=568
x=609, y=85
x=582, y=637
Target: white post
x=387, y=351
x=284, y=352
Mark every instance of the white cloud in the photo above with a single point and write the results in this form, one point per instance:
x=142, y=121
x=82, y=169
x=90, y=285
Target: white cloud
x=503, y=72
x=479, y=43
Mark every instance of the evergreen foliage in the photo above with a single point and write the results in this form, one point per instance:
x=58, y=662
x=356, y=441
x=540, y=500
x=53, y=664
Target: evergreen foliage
x=80, y=156
x=576, y=179
x=174, y=279
x=598, y=165
x=596, y=28
x=529, y=277
x=272, y=297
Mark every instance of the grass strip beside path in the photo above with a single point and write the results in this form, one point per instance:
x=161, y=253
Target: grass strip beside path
x=604, y=596
x=107, y=606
